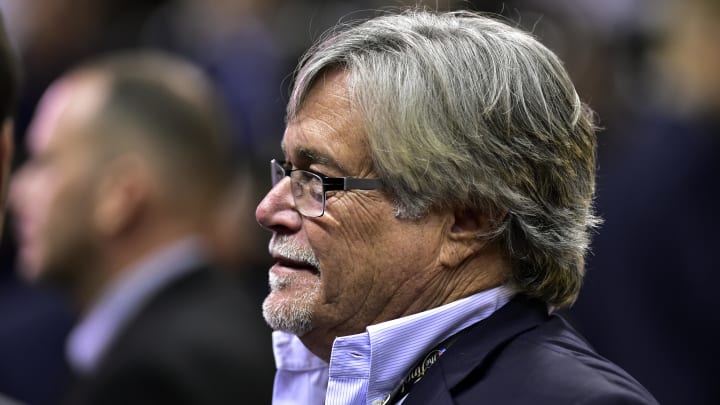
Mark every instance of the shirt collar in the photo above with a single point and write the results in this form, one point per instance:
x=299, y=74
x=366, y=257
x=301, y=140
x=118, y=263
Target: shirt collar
x=292, y=355
x=386, y=351
x=121, y=300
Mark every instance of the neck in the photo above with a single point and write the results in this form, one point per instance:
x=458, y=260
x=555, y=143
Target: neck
x=85, y=286
x=475, y=275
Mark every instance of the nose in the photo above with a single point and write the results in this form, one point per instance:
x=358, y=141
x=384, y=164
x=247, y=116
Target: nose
x=277, y=212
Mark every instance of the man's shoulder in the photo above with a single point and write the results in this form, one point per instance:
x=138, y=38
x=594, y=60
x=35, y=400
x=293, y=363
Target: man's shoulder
x=554, y=362
x=522, y=355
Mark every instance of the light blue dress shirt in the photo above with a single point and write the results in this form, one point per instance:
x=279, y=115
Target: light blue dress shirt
x=124, y=298
x=366, y=367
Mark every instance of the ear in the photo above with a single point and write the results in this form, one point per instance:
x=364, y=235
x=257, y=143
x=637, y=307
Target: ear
x=122, y=195
x=467, y=234
x=6, y=155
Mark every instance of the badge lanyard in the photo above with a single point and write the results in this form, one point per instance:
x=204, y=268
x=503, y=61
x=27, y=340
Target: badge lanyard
x=418, y=370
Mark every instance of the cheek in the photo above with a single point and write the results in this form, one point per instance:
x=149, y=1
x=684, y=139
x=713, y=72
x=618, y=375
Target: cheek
x=34, y=202
x=61, y=204
x=46, y=201
x=337, y=267
x=388, y=250
x=31, y=198
x=354, y=252
x=358, y=220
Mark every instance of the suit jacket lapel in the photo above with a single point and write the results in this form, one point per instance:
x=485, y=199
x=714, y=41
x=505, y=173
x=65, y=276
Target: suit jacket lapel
x=472, y=348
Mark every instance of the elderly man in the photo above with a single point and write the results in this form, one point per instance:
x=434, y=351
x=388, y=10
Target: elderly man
x=429, y=216
x=128, y=166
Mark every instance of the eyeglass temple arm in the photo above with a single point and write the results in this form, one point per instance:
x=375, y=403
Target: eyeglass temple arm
x=351, y=183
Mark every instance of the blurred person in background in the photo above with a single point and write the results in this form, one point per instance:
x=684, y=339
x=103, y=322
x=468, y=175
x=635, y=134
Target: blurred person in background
x=49, y=36
x=53, y=35
x=430, y=214
x=128, y=165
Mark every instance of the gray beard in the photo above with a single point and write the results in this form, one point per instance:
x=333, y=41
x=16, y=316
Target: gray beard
x=293, y=314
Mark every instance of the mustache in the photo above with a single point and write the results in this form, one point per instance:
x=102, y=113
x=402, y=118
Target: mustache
x=286, y=247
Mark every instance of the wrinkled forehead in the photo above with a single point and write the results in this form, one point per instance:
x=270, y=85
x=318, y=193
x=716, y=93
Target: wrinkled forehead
x=66, y=106
x=328, y=129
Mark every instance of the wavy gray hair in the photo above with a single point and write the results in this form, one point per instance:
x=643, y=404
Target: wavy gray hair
x=465, y=112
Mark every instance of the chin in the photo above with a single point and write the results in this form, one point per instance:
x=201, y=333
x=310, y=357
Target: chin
x=288, y=315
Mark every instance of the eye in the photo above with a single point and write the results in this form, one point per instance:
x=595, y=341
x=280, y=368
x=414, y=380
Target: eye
x=315, y=187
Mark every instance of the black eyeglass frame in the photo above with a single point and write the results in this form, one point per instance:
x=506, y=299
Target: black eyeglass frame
x=328, y=183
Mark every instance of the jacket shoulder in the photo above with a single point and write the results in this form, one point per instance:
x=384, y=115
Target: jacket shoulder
x=522, y=355
x=551, y=363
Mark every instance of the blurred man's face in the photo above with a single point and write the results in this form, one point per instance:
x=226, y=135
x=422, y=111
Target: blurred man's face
x=51, y=196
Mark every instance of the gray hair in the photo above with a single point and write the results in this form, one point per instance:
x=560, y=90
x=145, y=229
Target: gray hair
x=465, y=112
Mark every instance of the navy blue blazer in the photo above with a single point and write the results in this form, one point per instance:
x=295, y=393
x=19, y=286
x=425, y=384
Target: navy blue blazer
x=522, y=355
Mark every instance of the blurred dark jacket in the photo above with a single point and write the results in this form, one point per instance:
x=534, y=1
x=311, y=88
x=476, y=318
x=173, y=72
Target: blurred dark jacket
x=200, y=340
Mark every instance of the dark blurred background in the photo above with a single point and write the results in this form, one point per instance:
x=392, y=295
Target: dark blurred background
x=650, y=68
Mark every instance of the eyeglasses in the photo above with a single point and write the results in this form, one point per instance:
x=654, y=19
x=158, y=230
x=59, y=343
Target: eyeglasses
x=309, y=188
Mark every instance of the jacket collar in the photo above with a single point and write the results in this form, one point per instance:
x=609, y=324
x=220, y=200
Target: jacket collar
x=473, y=347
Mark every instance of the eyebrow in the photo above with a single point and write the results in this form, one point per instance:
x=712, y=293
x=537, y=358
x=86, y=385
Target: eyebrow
x=309, y=156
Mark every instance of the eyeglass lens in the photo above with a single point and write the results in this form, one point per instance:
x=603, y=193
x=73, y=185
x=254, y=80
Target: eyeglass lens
x=307, y=189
